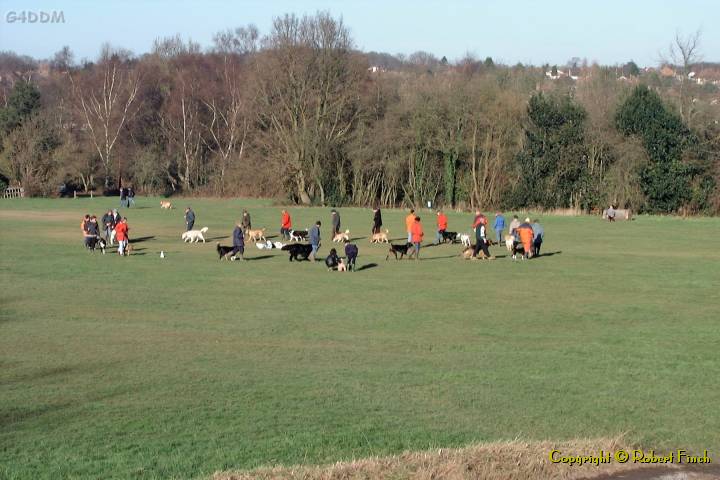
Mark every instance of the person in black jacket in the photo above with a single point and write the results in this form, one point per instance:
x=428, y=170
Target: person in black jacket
x=377, y=220
x=189, y=218
x=351, y=252
x=238, y=243
x=332, y=260
x=92, y=232
x=335, y=222
x=108, y=223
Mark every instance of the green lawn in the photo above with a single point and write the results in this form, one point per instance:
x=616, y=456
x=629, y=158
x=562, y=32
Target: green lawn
x=143, y=367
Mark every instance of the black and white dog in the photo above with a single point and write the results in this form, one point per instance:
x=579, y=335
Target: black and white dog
x=449, y=236
x=298, y=251
x=223, y=251
x=95, y=243
x=298, y=235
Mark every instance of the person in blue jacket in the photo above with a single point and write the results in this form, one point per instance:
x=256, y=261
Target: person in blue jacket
x=238, y=242
x=499, y=226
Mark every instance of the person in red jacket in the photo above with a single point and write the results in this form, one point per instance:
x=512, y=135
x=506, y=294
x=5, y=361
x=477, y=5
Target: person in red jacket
x=121, y=235
x=285, y=225
x=442, y=224
x=416, y=235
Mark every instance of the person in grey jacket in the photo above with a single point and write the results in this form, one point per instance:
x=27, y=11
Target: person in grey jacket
x=189, y=218
x=314, y=236
x=238, y=243
x=246, y=224
x=335, y=222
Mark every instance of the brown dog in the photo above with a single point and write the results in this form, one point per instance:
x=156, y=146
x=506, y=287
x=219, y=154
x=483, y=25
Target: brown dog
x=165, y=204
x=256, y=235
x=380, y=237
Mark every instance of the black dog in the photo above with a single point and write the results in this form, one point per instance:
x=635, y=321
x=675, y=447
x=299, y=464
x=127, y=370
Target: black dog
x=298, y=251
x=449, y=236
x=351, y=252
x=223, y=251
x=95, y=243
x=401, y=249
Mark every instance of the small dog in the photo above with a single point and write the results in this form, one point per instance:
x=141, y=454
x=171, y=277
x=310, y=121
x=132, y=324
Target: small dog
x=97, y=243
x=194, y=235
x=449, y=237
x=268, y=245
x=380, y=237
x=298, y=235
x=298, y=251
x=342, y=237
x=401, y=249
x=514, y=247
x=278, y=245
x=341, y=266
x=465, y=239
x=256, y=235
x=164, y=204
x=223, y=251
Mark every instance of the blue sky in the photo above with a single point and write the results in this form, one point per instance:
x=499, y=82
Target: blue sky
x=553, y=31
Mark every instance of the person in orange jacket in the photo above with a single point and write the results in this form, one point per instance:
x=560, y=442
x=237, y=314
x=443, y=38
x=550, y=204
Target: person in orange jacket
x=121, y=234
x=285, y=225
x=416, y=236
x=526, y=234
x=442, y=224
x=409, y=220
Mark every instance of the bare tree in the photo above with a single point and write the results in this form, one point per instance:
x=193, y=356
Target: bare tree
x=105, y=98
x=683, y=53
x=241, y=41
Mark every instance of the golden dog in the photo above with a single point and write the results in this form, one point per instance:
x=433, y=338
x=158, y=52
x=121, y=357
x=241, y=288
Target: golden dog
x=256, y=235
x=380, y=237
x=166, y=205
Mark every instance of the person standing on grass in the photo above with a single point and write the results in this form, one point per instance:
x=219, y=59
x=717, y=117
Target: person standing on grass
x=611, y=214
x=525, y=232
x=442, y=224
x=245, y=224
x=238, y=242
x=121, y=234
x=409, y=221
x=416, y=236
x=116, y=216
x=481, y=242
x=377, y=220
x=130, y=196
x=332, y=260
x=92, y=232
x=314, y=239
x=513, y=228
x=539, y=234
x=108, y=223
x=83, y=227
x=189, y=219
x=499, y=226
x=335, y=217
x=285, y=225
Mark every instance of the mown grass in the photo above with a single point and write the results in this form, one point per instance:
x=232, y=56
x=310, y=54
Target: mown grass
x=144, y=367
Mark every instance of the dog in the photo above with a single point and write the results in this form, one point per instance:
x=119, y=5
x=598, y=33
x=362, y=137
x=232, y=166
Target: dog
x=380, y=237
x=97, y=243
x=256, y=235
x=223, y=251
x=467, y=253
x=449, y=237
x=278, y=245
x=164, y=204
x=298, y=235
x=342, y=237
x=514, y=247
x=298, y=251
x=465, y=239
x=401, y=249
x=268, y=245
x=194, y=235
x=341, y=266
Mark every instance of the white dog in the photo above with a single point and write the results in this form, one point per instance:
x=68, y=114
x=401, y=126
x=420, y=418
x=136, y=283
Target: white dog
x=278, y=245
x=465, y=239
x=194, y=235
x=341, y=266
x=342, y=237
x=268, y=245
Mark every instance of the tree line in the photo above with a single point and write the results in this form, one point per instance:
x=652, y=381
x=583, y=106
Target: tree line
x=299, y=114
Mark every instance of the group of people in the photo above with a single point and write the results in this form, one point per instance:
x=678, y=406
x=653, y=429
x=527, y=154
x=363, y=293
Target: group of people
x=127, y=197
x=111, y=222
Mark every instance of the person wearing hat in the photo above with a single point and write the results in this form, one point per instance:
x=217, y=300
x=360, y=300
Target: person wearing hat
x=189, y=219
x=526, y=234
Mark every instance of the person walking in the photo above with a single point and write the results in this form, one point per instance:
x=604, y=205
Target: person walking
x=442, y=224
x=123, y=197
x=611, y=214
x=108, y=223
x=83, y=227
x=121, y=234
x=285, y=225
x=92, y=232
x=189, y=219
x=525, y=232
x=130, y=196
x=245, y=223
x=512, y=229
x=409, y=221
x=377, y=220
x=335, y=217
x=116, y=216
x=314, y=239
x=499, y=226
x=416, y=236
x=481, y=242
x=238, y=242
x=539, y=237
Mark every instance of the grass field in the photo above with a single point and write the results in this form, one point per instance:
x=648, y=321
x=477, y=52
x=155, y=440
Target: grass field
x=143, y=367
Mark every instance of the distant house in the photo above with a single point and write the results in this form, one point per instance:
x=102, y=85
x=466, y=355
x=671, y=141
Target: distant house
x=561, y=74
x=376, y=69
x=666, y=71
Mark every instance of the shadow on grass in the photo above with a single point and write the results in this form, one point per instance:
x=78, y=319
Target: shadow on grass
x=366, y=266
x=549, y=254
x=142, y=239
x=212, y=239
x=259, y=257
